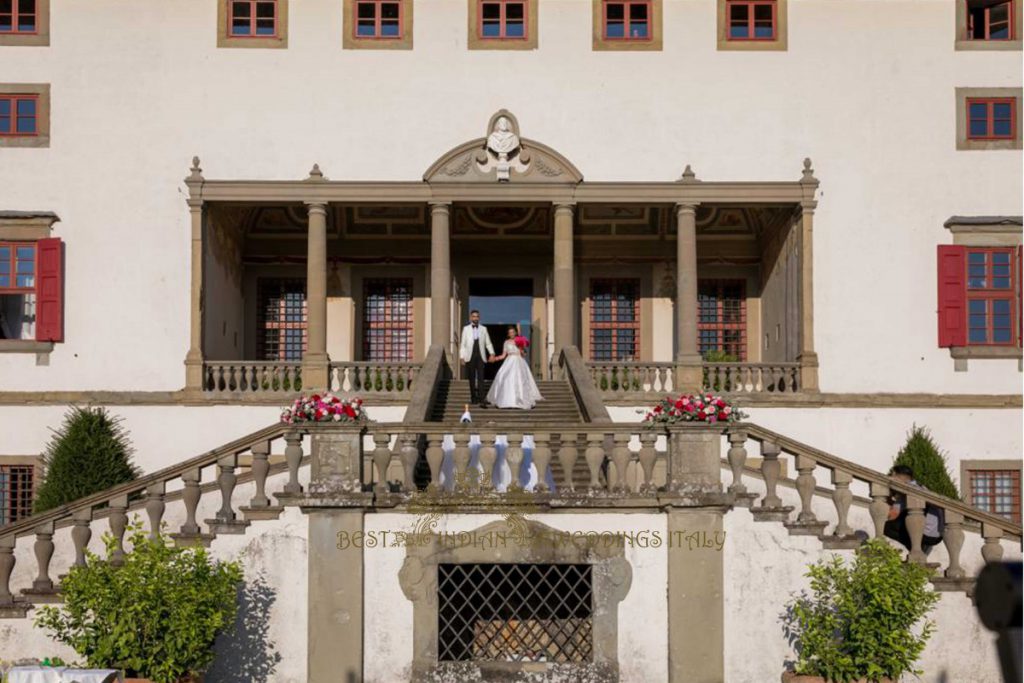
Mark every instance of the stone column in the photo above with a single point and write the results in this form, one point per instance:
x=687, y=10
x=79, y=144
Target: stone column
x=807, y=357
x=335, y=644
x=564, y=280
x=314, y=361
x=440, y=276
x=689, y=372
x=194, y=357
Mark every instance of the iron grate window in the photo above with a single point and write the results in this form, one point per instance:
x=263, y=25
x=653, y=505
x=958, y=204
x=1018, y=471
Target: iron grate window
x=387, y=320
x=515, y=613
x=996, y=491
x=614, y=320
x=722, y=318
x=281, y=319
x=15, y=493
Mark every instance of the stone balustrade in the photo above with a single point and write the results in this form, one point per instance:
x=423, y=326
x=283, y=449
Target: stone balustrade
x=370, y=378
x=239, y=378
x=632, y=379
x=649, y=381
x=752, y=378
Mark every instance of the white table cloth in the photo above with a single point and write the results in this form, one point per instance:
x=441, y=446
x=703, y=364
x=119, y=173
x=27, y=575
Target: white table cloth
x=61, y=674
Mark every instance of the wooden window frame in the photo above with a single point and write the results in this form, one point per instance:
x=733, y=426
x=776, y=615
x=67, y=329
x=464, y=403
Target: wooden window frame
x=409, y=324
x=651, y=42
x=503, y=19
x=30, y=463
x=14, y=99
x=378, y=19
x=722, y=327
x=990, y=103
x=968, y=468
x=964, y=41
x=351, y=41
x=751, y=23
x=989, y=294
x=1011, y=10
x=40, y=92
x=964, y=96
x=225, y=38
x=39, y=36
x=780, y=27
x=614, y=325
x=263, y=325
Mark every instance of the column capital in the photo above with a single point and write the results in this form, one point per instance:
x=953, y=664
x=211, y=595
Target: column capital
x=687, y=207
x=316, y=207
x=808, y=205
x=440, y=206
x=564, y=206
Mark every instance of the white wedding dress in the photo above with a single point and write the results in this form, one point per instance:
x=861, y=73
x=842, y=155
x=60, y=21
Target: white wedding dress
x=513, y=387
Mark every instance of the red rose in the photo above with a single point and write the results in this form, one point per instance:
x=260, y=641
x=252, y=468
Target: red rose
x=351, y=413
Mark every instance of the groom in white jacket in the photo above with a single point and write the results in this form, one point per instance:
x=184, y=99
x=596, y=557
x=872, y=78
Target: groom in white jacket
x=474, y=348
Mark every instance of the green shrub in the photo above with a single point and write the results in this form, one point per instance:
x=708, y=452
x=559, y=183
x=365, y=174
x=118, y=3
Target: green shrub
x=928, y=463
x=89, y=453
x=860, y=620
x=156, y=616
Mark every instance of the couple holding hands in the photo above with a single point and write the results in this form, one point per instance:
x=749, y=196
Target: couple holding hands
x=513, y=386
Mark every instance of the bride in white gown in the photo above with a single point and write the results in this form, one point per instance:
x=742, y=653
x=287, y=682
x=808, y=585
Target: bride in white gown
x=513, y=387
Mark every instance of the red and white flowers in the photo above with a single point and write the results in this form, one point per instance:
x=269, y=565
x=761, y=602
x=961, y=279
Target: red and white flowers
x=324, y=408
x=693, y=408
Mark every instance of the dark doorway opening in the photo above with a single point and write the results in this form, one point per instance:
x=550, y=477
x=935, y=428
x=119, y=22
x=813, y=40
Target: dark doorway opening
x=502, y=302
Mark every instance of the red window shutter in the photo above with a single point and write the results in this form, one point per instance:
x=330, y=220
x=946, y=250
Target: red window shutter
x=49, y=290
x=1020, y=296
x=952, y=295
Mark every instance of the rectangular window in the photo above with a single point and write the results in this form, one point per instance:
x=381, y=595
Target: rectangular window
x=515, y=613
x=503, y=19
x=19, y=115
x=996, y=491
x=990, y=19
x=722, y=317
x=18, y=17
x=378, y=19
x=751, y=19
x=614, y=320
x=15, y=492
x=388, y=327
x=991, y=119
x=990, y=297
x=17, y=290
x=252, y=18
x=281, y=319
x=627, y=20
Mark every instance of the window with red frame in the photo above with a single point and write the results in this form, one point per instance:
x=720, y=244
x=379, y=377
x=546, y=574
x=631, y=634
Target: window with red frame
x=281, y=319
x=378, y=19
x=751, y=19
x=31, y=290
x=18, y=16
x=15, y=492
x=614, y=320
x=252, y=18
x=991, y=119
x=19, y=115
x=388, y=320
x=979, y=296
x=627, y=20
x=996, y=491
x=722, y=317
x=502, y=19
x=990, y=19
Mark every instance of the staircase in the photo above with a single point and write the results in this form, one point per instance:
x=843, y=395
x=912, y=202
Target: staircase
x=558, y=407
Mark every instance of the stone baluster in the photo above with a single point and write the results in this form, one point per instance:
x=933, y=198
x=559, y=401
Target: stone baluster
x=879, y=507
x=382, y=459
x=953, y=537
x=226, y=480
x=568, y=454
x=488, y=455
x=118, y=524
x=770, y=470
x=621, y=457
x=260, y=469
x=805, y=487
x=842, y=497
x=461, y=457
x=542, y=460
x=293, y=458
x=595, y=458
x=648, y=456
x=43, y=549
x=155, y=507
x=737, y=459
x=410, y=453
x=915, y=527
x=992, y=551
x=435, y=458
x=190, y=495
x=514, y=457
x=81, y=533
x=7, y=561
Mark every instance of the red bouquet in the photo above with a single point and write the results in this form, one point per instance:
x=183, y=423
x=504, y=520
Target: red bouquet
x=522, y=342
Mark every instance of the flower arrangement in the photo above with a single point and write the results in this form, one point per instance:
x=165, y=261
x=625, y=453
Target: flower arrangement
x=693, y=408
x=522, y=342
x=324, y=408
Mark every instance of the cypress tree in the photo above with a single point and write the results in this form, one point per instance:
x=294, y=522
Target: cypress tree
x=89, y=453
x=927, y=462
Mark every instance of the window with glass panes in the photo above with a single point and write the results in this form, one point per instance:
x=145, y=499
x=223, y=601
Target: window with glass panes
x=18, y=16
x=751, y=19
x=722, y=317
x=627, y=20
x=990, y=296
x=18, y=115
x=991, y=118
x=388, y=319
x=15, y=492
x=990, y=19
x=17, y=290
x=252, y=18
x=378, y=19
x=614, y=320
x=996, y=491
x=281, y=319
x=502, y=19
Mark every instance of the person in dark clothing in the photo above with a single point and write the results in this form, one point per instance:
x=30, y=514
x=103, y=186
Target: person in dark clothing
x=896, y=526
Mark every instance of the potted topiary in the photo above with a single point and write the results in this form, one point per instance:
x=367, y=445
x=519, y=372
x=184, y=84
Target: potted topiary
x=156, y=615
x=862, y=620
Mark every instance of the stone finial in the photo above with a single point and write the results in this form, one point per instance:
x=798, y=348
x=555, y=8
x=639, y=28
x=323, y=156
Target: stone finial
x=315, y=174
x=688, y=175
x=808, y=173
x=196, y=172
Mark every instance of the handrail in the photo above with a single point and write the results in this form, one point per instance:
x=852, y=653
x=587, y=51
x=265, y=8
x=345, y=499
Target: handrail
x=424, y=391
x=587, y=396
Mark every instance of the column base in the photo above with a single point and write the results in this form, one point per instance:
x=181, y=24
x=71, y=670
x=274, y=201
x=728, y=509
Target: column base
x=689, y=375
x=316, y=373
x=194, y=374
x=808, y=371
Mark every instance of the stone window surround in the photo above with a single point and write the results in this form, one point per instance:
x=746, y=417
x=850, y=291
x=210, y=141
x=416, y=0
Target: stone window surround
x=590, y=272
x=986, y=231
x=35, y=461
x=960, y=41
x=42, y=93
x=963, y=94
x=612, y=578
x=349, y=40
x=29, y=226
x=967, y=466
x=224, y=39
x=41, y=38
x=780, y=44
x=600, y=43
x=475, y=41
x=418, y=275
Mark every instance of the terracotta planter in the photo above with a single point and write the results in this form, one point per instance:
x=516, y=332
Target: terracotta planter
x=790, y=677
